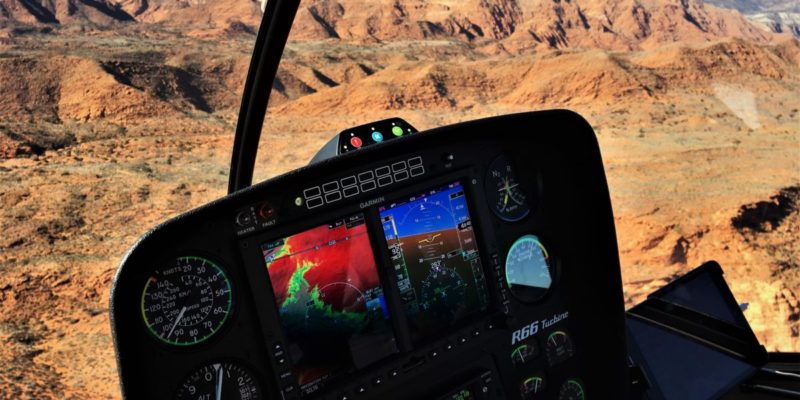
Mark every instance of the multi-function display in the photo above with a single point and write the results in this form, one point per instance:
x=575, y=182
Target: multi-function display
x=435, y=259
x=330, y=300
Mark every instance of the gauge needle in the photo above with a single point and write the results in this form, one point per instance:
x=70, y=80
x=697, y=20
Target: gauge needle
x=219, y=383
x=507, y=187
x=175, y=325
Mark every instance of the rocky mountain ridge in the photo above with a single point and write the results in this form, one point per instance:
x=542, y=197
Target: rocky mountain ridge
x=510, y=25
x=514, y=25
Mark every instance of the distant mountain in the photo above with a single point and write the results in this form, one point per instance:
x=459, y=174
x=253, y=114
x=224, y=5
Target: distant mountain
x=509, y=25
x=226, y=14
x=521, y=24
x=782, y=16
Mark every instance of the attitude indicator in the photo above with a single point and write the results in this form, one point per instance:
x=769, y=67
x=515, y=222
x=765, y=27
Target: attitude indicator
x=529, y=273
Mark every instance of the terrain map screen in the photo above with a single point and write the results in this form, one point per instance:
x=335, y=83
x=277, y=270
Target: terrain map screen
x=435, y=258
x=330, y=300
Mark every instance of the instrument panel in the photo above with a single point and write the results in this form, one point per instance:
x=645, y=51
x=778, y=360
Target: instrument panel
x=474, y=261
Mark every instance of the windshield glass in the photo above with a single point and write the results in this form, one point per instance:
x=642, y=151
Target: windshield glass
x=695, y=107
x=114, y=117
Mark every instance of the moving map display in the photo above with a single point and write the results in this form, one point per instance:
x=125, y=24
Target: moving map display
x=330, y=300
x=435, y=258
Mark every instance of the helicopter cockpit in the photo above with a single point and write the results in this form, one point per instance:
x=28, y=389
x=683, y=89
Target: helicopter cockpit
x=477, y=260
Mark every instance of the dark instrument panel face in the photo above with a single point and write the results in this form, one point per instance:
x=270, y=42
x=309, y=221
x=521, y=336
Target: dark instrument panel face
x=474, y=261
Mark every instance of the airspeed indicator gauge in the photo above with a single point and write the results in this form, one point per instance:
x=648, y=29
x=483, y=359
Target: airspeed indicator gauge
x=187, y=301
x=503, y=193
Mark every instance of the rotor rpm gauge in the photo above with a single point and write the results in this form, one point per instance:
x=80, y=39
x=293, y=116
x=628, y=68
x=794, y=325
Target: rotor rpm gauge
x=503, y=192
x=186, y=302
x=220, y=381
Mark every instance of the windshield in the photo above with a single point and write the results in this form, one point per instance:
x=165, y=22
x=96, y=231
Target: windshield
x=695, y=107
x=114, y=117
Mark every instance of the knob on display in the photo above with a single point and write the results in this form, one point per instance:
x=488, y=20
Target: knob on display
x=266, y=212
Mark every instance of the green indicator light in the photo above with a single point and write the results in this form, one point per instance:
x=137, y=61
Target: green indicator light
x=397, y=131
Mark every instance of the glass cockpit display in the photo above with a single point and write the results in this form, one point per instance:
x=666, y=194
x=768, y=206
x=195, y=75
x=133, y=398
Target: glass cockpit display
x=330, y=301
x=435, y=258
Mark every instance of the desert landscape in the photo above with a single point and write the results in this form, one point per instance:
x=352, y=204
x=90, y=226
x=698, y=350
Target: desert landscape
x=116, y=115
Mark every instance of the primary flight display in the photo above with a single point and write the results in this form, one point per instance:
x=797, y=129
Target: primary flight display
x=435, y=258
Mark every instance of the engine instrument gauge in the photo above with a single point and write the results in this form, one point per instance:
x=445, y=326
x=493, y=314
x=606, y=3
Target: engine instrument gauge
x=186, y=302
x=559, y=347
x=503, y=193
x=219, y=381
x=528, y=269
x=572, y=390
x=532, y=386
x=524, y=353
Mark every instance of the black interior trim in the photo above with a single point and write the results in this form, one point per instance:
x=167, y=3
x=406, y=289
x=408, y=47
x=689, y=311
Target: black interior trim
x=272, y=35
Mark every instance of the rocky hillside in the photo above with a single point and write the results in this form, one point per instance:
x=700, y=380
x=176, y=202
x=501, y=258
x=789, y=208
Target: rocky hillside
x=511, y=24
x=523, y=24
x=243, y=15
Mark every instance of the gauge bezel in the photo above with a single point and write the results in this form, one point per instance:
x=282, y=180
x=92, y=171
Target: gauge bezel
x=576, y=381
x=246, y=366
x=489, y=187
x=553, y=267
x=222, y=325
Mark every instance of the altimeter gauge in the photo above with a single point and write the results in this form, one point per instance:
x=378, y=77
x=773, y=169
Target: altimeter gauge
x=503, y=193
x=220, y=381
x=187, y=301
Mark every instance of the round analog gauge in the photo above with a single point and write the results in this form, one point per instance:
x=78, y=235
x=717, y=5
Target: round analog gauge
x=186, y=302
x=559, y=347
x=532, y=386
x=524, y=353
x=572, y=390
x=503, y=192
x=528, y=269
x=220, y=381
